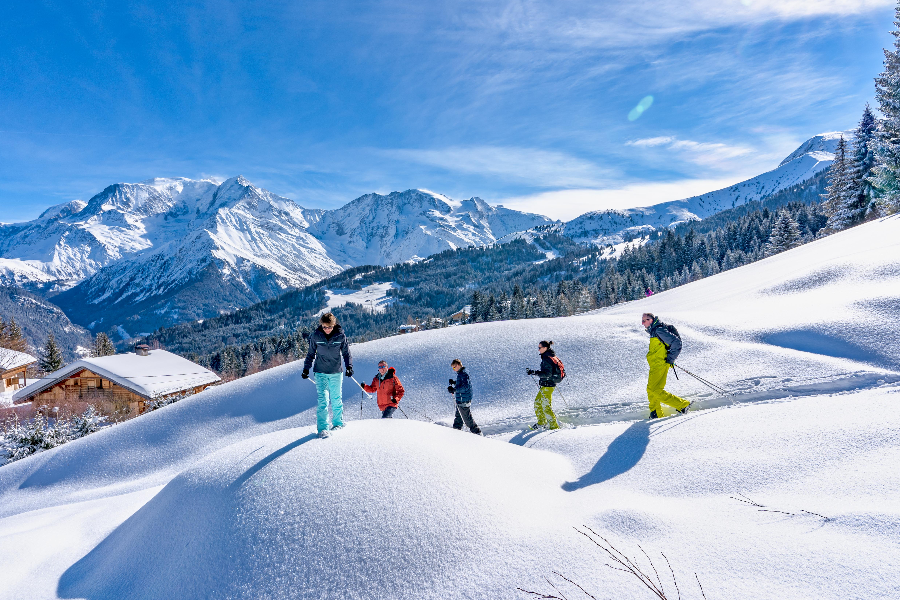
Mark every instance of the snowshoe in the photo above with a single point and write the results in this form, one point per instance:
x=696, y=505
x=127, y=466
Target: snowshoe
x=685, y=410
x=337, y=427
x=324, y=434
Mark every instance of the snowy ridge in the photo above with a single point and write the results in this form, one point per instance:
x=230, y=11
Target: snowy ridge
x=240, y=500
x=607, y=226
x=388, y=229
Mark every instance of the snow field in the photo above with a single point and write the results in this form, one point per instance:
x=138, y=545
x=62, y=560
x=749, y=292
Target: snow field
x=288, y=515
x=226, y=494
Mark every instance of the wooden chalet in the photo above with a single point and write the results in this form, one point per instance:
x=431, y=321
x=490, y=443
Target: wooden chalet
x=12, y=369
x=131, y=379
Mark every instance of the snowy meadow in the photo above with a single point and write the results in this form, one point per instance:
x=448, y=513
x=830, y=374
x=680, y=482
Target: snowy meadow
x=785, y=488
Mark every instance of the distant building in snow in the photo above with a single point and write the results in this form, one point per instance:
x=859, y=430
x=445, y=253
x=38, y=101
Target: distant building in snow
x=12, y=369
x=132, y=379
x=408, y=328
x=461, y=316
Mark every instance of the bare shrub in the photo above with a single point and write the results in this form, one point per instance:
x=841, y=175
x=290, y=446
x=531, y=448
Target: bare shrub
x=620, y=562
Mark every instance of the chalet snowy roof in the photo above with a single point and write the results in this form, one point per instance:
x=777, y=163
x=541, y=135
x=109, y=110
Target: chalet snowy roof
x=157, y=374
x=11, y=359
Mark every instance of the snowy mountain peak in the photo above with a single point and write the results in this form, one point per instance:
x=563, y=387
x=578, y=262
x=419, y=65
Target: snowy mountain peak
x=609, y=226
x=61, y=211
x=822, y=144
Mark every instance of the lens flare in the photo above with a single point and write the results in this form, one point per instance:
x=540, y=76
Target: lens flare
x=638, y=110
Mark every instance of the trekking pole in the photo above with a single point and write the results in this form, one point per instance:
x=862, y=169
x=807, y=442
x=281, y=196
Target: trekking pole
x=361, y=397
x=710, y=385
x=557, y=391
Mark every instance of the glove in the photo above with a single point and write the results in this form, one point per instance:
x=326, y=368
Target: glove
x=349, y=372
x=305, y=374
x=451, y=389
x=452, y=382
x=363, y=386
x=530, y=371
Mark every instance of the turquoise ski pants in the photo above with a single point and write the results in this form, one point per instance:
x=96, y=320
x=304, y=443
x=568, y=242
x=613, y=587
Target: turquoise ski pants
x=329, y=388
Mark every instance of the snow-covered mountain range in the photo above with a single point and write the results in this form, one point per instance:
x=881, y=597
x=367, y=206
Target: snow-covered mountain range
x=138, y=256
x=142, y=255
x=607, y=226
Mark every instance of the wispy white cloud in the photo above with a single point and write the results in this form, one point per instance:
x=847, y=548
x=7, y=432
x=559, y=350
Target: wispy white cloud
x=539, y=168
x=708, y=154
x=568, y=204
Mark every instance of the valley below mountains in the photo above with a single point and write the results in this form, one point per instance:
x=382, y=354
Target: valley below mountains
x=140, y=256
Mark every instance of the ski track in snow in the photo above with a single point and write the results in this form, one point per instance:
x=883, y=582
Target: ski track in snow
x=228, y=494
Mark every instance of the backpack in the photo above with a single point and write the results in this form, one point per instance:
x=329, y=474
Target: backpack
x=670, y=354
x=559, y=372
x=671, y=329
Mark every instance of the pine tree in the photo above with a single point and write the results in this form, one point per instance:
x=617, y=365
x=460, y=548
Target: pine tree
x=51, y=358
x=886, y=173
x=475, y=307
x=102, y=346
x=517, y=306
x=839, y=194
x=861, y=163
x=785, y=235
x=13, y=338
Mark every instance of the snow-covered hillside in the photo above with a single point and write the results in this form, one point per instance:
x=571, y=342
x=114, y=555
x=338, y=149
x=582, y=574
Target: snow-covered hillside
x=607, y=226
x=228, y=494
x=38, y=318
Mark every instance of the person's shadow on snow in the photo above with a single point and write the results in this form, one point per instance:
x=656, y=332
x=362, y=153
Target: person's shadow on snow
x=622, y=454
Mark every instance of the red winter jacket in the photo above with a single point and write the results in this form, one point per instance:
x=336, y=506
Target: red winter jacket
x=390, y=390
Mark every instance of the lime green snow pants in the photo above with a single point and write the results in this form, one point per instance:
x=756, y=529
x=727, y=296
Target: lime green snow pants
x=543, y=408
x=657, y=395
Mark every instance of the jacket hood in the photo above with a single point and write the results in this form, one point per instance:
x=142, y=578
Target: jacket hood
x=548, y=352
x=387, y=374
x=337, y=330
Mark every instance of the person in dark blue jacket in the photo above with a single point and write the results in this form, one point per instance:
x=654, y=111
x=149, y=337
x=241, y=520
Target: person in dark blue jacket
x=462, y=388
x=327, y=345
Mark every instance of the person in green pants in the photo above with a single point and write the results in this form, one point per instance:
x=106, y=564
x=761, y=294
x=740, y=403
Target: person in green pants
x=549, y=374
x=664, y=348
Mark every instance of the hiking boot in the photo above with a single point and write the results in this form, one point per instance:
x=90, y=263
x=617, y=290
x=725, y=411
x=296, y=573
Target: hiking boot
x=324, y=434
x=653, y=414
x=336, y=427
x=685, y=410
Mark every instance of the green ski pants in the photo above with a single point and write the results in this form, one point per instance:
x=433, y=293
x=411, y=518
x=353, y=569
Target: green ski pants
x=543, y=408
x=657, y=395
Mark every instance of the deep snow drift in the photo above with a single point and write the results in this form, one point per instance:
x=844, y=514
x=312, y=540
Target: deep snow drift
x=226, y=494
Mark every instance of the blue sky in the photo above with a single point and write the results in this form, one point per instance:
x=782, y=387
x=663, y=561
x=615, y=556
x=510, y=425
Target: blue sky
x=524, y=103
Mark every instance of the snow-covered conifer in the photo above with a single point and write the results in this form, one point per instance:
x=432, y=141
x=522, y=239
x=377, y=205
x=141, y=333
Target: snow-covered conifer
x=51, y=357
x=103, y=346
x=12, y=337
x=861, y=161
x=785, y=235
x=475, y=307
x=839, y=194
x=886, y=173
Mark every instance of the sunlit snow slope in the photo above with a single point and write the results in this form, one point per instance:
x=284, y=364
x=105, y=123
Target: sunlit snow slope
x=229, y=495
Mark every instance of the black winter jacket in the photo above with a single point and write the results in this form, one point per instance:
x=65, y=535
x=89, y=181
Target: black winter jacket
x=547, y=367
x=463, y=388
x=327, y=351
x=658, y=329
